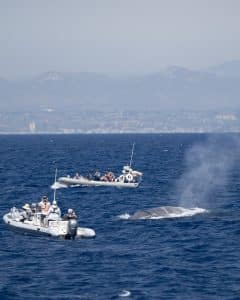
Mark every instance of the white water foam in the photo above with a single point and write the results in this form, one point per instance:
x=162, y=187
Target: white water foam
x=57, y=185
x=124, y=293
x=125, y=216
x=164, y=212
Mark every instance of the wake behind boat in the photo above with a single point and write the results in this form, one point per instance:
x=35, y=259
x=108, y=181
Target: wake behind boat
x=128, y=179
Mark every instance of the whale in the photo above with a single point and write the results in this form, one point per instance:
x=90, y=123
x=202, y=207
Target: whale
x=163, y=212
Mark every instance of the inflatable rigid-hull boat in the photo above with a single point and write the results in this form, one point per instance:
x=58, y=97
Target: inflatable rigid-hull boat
x=72, y=182
x=128, y=179
x=57, y=228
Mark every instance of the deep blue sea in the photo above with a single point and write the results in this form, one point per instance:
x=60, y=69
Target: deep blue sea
x=192, y=257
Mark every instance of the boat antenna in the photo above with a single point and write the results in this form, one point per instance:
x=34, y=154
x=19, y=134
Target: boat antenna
x=131, y=159
x=54, y=192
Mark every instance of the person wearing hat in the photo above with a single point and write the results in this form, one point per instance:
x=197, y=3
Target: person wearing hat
x=26, y=206
x=54, y=213
x=26, y=213
x=70, y=215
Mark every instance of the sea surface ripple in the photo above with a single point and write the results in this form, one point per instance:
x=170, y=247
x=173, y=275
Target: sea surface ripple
x=191, y=257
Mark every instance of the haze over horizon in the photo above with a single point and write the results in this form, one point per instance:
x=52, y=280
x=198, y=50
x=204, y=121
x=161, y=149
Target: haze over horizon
x=116, y=37
x=119, y=66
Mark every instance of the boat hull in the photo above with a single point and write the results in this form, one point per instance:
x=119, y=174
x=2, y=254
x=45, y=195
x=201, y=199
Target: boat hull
x=55, y=229
x=71, y=182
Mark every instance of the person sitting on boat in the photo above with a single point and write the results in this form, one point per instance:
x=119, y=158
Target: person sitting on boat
x=26, y=214
x=34, y=208
x=77, y=176
x=104, y=178
x=44, y=205
x=89, y=176
x=97, y=176
x=108, y=177
x=70, y=215
x=111, y=176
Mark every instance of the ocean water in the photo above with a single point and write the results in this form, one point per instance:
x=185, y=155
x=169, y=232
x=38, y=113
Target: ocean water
x=187, y=256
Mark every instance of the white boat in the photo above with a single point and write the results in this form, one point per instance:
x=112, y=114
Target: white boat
x=31, y=219
x=128, y=179
x=59, y=228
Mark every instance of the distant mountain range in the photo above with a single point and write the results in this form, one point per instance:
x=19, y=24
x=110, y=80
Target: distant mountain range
x=227, y=69
x=175, y=88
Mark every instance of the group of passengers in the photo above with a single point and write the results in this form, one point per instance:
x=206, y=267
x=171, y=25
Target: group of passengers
x=48, y=211
x=109, y=176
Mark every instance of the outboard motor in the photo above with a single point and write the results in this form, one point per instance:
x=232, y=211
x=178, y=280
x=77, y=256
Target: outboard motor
x=72, y=229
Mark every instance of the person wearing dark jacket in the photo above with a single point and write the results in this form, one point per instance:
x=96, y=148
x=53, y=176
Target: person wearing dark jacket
x=70, y=215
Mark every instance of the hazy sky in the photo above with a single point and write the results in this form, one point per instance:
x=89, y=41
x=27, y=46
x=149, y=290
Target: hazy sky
x=116, y=36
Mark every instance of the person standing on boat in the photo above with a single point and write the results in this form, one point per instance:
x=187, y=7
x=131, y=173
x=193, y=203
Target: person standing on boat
x=44, y=205
x=54, y=213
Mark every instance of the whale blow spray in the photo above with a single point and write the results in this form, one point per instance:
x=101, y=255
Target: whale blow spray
x=208, y=165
